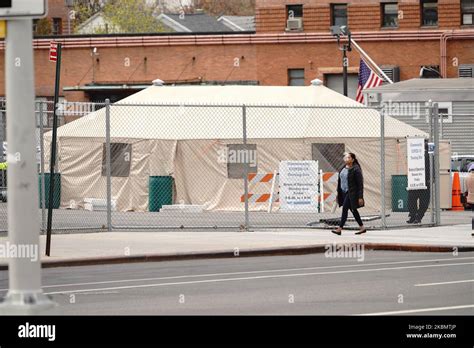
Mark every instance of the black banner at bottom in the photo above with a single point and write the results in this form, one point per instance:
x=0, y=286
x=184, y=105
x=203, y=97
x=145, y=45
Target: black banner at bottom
x=330, y=331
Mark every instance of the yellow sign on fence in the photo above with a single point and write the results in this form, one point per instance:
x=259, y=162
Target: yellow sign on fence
x=3, y=29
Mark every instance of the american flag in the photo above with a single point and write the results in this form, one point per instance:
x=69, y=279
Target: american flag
x=367, y=79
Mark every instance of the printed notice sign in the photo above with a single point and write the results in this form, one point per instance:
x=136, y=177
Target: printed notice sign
x=416, y=163
x=299, y=185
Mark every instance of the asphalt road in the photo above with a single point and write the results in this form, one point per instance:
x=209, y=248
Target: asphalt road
x=384, y=282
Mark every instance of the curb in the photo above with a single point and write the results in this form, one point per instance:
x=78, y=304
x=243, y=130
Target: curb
x=282, y=251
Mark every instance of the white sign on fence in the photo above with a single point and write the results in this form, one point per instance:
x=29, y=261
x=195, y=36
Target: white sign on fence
x=299, y=185
x=416, y=163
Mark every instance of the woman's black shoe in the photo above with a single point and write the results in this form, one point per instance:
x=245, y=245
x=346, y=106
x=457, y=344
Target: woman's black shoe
x=362, y=232
x=411, y=221
x=336, y=232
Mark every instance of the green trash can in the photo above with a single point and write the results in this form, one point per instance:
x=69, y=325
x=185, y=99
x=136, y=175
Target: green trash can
x=56, y=193
x=399, y=193
x=160, y=192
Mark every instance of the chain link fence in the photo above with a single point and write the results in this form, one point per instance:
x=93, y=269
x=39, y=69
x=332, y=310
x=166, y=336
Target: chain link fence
x=237, y=167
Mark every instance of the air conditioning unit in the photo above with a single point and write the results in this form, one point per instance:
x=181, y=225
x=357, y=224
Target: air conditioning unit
x=466, y=70
x=294, y=24
x=392, y=72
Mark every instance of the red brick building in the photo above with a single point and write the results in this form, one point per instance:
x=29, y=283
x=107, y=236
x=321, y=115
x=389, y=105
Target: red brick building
x=58, y=18
x=403, y=35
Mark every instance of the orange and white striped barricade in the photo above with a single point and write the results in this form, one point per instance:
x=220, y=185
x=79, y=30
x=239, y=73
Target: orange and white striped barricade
x=254, y=179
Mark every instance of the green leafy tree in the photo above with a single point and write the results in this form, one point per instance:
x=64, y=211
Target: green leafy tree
x=43, y=27
x=226, y=7
x=132, y=16
x=83, y=10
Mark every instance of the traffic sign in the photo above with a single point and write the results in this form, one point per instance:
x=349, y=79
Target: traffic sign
x=53, y=51
x=431, y=148
x=10, y=9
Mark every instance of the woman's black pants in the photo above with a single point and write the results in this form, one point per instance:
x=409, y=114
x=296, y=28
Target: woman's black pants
x=345, y=210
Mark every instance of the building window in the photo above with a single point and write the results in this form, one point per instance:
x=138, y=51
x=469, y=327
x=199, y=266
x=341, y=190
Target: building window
x=57, y=26
x=339, y=14
x=120, y=159
x=445, y=111
x=238, y=157
x=467, y=12
x=296, y=77
x=429, y=12
x=294, y=17
x=294, y=11
x=328, y=155
x=390, y=15
x=336, y=83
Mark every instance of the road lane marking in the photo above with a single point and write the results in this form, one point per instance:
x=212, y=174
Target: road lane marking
x=420, y=310
x=253, y=278
x=443, y=283
x=253, y=272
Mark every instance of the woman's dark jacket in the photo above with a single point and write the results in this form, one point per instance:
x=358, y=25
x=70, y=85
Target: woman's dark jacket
x=356, y=186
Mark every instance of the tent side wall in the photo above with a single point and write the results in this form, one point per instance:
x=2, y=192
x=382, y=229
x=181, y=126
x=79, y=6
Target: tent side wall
x=207, y=183
x=200, y=176
x=80, y=163
x=201, y=179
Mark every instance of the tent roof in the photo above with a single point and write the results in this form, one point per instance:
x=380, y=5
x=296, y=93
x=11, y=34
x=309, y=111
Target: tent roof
x=239, y=95
x=216, y=113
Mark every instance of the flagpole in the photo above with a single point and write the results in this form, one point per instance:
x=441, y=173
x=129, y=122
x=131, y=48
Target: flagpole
x=366, y=56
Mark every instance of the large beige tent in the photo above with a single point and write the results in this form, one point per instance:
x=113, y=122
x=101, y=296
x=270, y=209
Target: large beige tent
x=187, y=142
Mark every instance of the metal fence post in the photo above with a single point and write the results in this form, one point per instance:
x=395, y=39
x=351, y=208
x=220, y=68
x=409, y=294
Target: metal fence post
x=43, y=194
x=107, y=164
x=246, y=169
x=431, y=156
x=382, y=168
x=3, y=177
x=436, y=164
x=432, y=189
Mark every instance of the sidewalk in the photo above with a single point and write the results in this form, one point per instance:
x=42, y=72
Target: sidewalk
x=119, y=247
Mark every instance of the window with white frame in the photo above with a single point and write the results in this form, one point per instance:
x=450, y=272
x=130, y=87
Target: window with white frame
x=445, y=111
x=467, y=12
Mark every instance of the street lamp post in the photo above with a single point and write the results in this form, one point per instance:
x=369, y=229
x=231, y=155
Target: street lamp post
x=337, y=32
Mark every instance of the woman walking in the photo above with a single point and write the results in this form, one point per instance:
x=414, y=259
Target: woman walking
x=350, y=192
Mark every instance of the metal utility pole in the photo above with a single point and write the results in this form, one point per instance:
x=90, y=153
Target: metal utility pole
x=24, y=295
x=345, y=63
x=338, y=32
x=52, y=157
